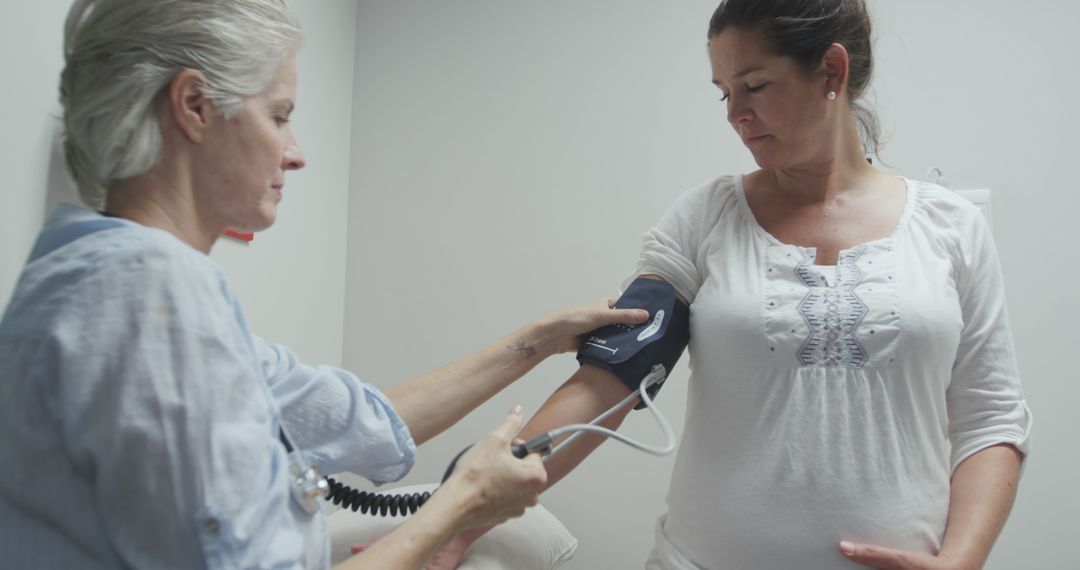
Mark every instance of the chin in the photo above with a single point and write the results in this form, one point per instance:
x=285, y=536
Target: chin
x=260, y=221
x=264, y=224
x=769, y=161
x=764, y=162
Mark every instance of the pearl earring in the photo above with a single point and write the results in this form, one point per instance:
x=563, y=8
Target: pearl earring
x=831, y=95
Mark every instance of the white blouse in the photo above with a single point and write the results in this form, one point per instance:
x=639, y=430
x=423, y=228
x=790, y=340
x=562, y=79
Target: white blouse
x=830, y=403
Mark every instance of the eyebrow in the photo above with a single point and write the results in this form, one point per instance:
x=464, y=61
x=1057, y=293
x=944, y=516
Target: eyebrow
x=744, y=72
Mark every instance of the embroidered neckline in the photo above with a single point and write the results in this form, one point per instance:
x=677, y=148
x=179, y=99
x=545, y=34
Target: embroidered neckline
x=758, y=229
x=833, y=313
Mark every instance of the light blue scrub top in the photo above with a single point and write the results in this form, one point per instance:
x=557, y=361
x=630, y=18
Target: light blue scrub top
x=139, y=416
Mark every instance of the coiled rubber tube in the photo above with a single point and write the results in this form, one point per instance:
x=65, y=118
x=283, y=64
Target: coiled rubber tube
x=376, y=504
x=380, y=504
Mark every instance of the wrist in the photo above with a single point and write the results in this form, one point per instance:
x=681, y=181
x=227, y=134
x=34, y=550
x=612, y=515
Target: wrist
x=461, y=501
x=537, y=340
x=959, y=561
x=473, y=534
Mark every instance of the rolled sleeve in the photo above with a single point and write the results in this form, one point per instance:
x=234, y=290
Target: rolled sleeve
x=985, y=401
x=338, y=422
x=663, y=255
x=670, y=248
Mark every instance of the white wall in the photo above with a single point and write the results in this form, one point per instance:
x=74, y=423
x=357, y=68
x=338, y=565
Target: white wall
x=29, y=99
x=507, y=157
x=291, y=279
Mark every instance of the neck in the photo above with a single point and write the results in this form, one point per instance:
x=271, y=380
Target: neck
x=163, y=198
x=840, y=168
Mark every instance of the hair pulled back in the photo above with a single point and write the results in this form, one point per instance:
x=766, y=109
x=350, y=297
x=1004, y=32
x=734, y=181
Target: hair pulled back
x=120, y=55
x=803, y=30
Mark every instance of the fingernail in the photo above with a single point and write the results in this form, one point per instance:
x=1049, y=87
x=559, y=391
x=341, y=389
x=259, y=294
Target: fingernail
x=847, y=547
x=516, y=410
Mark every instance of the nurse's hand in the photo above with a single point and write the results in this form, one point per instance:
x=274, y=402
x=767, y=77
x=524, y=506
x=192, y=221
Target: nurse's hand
x=565, y=329
x=883, y=558
x=491, y=484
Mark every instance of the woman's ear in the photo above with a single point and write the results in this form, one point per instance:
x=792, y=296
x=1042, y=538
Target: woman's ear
x=190, y=110
x=835, y=67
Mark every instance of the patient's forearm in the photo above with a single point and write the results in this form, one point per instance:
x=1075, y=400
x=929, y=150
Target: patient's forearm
x=983, y=489
x=587, y=394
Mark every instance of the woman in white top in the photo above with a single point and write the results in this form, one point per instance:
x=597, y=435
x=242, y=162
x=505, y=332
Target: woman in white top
x=854, y=399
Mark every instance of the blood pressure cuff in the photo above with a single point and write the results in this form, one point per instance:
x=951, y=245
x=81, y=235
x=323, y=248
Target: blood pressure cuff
x=628, y=351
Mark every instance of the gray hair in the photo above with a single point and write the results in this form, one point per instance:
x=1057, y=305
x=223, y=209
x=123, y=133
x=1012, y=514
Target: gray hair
x=120, y=55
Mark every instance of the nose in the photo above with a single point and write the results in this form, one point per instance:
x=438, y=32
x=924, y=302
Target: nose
x=737, y=110
x=293, y=157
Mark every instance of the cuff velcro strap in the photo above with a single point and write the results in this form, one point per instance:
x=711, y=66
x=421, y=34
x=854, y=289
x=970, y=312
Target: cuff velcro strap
x=630, y=351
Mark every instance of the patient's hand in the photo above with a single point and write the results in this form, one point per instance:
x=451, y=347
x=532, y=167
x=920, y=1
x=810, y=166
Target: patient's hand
x=362, y=546
x=449, y=556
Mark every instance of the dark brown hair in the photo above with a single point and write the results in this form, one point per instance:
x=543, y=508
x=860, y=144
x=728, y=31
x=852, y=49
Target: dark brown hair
x=803, y=30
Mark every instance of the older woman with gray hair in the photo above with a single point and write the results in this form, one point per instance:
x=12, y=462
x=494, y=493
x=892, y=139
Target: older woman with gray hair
x=142, y=423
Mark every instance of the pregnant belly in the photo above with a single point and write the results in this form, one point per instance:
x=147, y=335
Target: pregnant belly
x=752, y=526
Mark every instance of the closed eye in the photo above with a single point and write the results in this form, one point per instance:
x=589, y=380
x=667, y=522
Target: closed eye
x=282, y=114
x=749, y=89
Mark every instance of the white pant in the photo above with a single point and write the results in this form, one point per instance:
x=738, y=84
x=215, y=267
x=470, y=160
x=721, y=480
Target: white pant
x=664, y=555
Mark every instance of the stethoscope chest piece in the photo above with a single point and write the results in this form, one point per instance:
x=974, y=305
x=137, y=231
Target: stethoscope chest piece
x=307, y=483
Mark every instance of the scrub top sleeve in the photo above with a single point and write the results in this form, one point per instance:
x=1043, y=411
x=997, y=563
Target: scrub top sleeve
x=985, y=402
x=339, y=422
